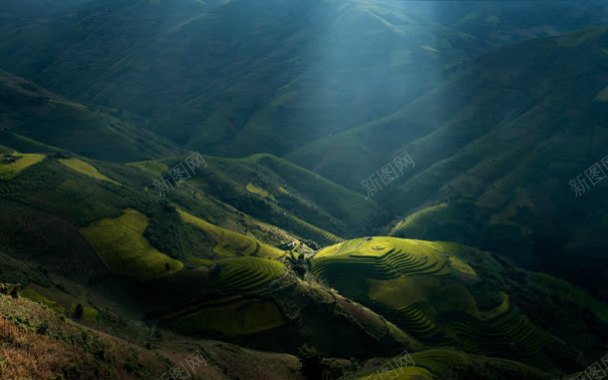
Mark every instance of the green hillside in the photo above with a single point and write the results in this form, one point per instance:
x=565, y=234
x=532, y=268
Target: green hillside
x=439, y=293
x=494, y=161
x=29, y=112
x=284, y=74
x=326, y=189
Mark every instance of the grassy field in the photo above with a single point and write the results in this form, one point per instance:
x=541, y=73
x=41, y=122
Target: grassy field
x=121, y=246
x=85, y=168
x=23, y=161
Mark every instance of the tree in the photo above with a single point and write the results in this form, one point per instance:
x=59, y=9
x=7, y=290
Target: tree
x=78, y=311
x=311, y=362
x=15, y=292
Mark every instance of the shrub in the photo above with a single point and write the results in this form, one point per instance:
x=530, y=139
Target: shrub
x=78, y=311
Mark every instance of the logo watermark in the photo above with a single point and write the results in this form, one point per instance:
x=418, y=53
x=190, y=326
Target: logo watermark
x=179, y=174
x=387, y=174
x=185, y=369
x=394, y=368
x=595, y=174
x=596, y=371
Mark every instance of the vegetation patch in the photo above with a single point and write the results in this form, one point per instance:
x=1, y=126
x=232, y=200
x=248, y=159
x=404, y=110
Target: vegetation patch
x=85, y=168
x=244, y=273
x=121, y=246
x=230, y=243
x=423, y=287
x=258, y=190
x=34, y=296
x=13, y=164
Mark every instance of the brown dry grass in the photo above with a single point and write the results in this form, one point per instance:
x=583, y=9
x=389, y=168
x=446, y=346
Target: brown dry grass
x=24, y=355
x=62, y=349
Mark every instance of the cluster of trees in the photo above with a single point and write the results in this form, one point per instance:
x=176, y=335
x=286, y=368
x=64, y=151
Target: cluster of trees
x=300, y=265
x=10, y=289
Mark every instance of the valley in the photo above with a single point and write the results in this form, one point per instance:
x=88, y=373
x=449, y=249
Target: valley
x=359, y=189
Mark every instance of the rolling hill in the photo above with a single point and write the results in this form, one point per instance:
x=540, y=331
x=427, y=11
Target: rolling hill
x=181, y=189
x=494, y=151
x=30, y=115
x=183, y=262
x=285, y=74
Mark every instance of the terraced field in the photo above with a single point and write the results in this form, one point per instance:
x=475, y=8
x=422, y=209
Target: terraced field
x=509, y=332
x=414, y=220
x=228, y=310
x=313, y=232
x=422, y=287
x=245, y=273
x=384, y=258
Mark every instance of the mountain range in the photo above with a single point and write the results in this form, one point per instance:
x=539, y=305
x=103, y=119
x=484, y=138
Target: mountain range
x=303, y=190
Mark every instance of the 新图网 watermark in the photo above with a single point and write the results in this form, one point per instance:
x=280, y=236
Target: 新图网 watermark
x=595, y=174
x=185, y=369
x=387, y=174
x=393, y=368
x=596, y=371
x=179, y=174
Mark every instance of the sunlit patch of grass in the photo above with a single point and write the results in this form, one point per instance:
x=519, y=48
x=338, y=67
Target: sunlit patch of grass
x=22, y=162
x=411, y=221
x=463, y=268
x=319, y=234
x=123, y=249
x=34, y=296
x=258, y=190
x=202, y=262
x=85, y=168
x=153, y=166
x=230, y=243
x=422, y=287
